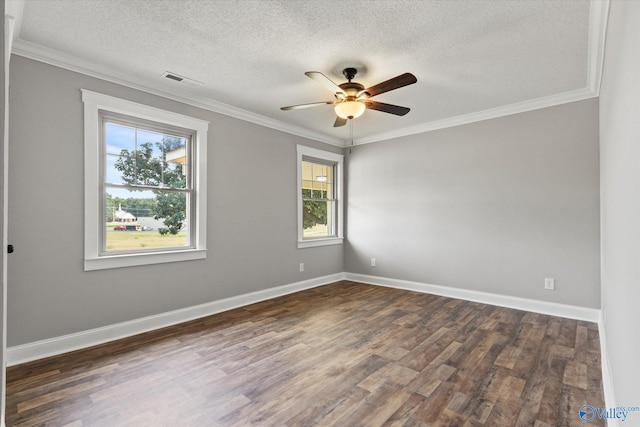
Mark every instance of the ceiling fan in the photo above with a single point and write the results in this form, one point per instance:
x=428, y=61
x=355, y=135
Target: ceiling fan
x=352, y=98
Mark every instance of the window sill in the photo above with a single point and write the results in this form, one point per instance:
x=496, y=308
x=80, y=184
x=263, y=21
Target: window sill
x=130, y=260
x=320, y=242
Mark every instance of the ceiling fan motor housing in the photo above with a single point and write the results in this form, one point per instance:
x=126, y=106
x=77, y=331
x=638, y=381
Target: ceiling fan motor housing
x=351, y=105
x=351, y=88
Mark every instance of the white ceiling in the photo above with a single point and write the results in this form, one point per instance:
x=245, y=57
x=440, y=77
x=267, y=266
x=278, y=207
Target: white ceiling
x=473, y=59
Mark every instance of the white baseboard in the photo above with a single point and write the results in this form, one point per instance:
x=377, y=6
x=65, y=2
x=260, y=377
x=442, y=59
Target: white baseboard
x=63, y=344
x=58, y=345
x=607, y=378
x=536, y=306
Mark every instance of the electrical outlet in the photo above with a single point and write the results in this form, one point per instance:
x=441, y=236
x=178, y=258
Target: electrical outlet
x=301, y=267
x=373, y=262
x=550, y=284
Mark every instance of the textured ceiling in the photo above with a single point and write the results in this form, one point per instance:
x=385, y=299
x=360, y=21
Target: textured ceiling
x=468, y=56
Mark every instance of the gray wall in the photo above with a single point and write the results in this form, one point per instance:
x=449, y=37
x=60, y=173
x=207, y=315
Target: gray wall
x=620, y=164
x=251, y=215
x=494, y=206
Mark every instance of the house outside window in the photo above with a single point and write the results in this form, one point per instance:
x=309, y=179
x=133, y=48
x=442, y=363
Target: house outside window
x=145, y=184
x=319, y=197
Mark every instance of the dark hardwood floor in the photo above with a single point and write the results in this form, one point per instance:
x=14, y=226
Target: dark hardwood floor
x=345, y=354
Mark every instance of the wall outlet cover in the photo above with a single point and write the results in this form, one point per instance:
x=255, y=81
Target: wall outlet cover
x=550, y=284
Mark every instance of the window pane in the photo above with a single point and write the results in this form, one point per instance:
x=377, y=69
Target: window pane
x=130, y=222
x=329, y=184
x=119, y=138
x=175, y=166
x=145, y=166
x=150, y=143
x=307, y=186
x=321, y=173
x=113, y=168
x=307, y=174
x=317, y=180
x=316, y=217
x=328, y=191
x=318, y=192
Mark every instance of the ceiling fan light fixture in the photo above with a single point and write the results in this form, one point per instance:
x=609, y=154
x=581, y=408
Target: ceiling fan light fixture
x=350, y=109
x=352, y=98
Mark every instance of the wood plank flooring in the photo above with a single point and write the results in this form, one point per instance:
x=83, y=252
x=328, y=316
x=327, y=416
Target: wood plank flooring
x=344, y=354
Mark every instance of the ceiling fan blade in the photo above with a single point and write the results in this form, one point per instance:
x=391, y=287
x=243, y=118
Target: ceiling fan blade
x=339, y=122
x=301, y=106
x=391, y=84
x=324, y=81
x=387, y=108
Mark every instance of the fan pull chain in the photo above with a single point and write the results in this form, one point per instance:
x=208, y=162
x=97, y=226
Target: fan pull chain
x=351, y=134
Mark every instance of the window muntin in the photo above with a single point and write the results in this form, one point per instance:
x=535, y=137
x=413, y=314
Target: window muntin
x=147, y=186
x=318, y=202
x=319, y=197
x=104, y=181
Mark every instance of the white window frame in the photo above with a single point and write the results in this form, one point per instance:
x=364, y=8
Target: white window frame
x=310, y=154
x=94, y=103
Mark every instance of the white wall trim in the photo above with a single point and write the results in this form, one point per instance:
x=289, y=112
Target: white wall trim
x=598, y=14
x=58, y=59
x=94, y=188
x=479, y=116
x=54, y=346
x=598, y=17
x=305, y=152
x=536, y=306
x=14, y=9
x=13, y=14
x=63, y=344
x=607, y=378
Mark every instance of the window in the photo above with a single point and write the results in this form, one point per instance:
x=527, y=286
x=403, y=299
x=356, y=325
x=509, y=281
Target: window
x=319, y=197
x=145, y=184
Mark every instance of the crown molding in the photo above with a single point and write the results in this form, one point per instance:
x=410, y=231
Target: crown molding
x=69, y=62
x=493, y=113
x=598, y=16
x=14, y=9
x=12, y=21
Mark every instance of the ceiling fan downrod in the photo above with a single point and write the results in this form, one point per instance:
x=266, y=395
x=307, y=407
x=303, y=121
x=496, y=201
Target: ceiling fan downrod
x=349, y=73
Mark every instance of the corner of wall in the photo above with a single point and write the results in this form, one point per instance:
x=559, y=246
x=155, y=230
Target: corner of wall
x=607, y=379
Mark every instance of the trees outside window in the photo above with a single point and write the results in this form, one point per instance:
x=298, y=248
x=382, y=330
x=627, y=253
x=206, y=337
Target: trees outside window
x=140, y=167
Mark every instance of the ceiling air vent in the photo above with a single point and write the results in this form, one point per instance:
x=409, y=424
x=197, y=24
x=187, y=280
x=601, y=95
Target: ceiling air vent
x=181, y=79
